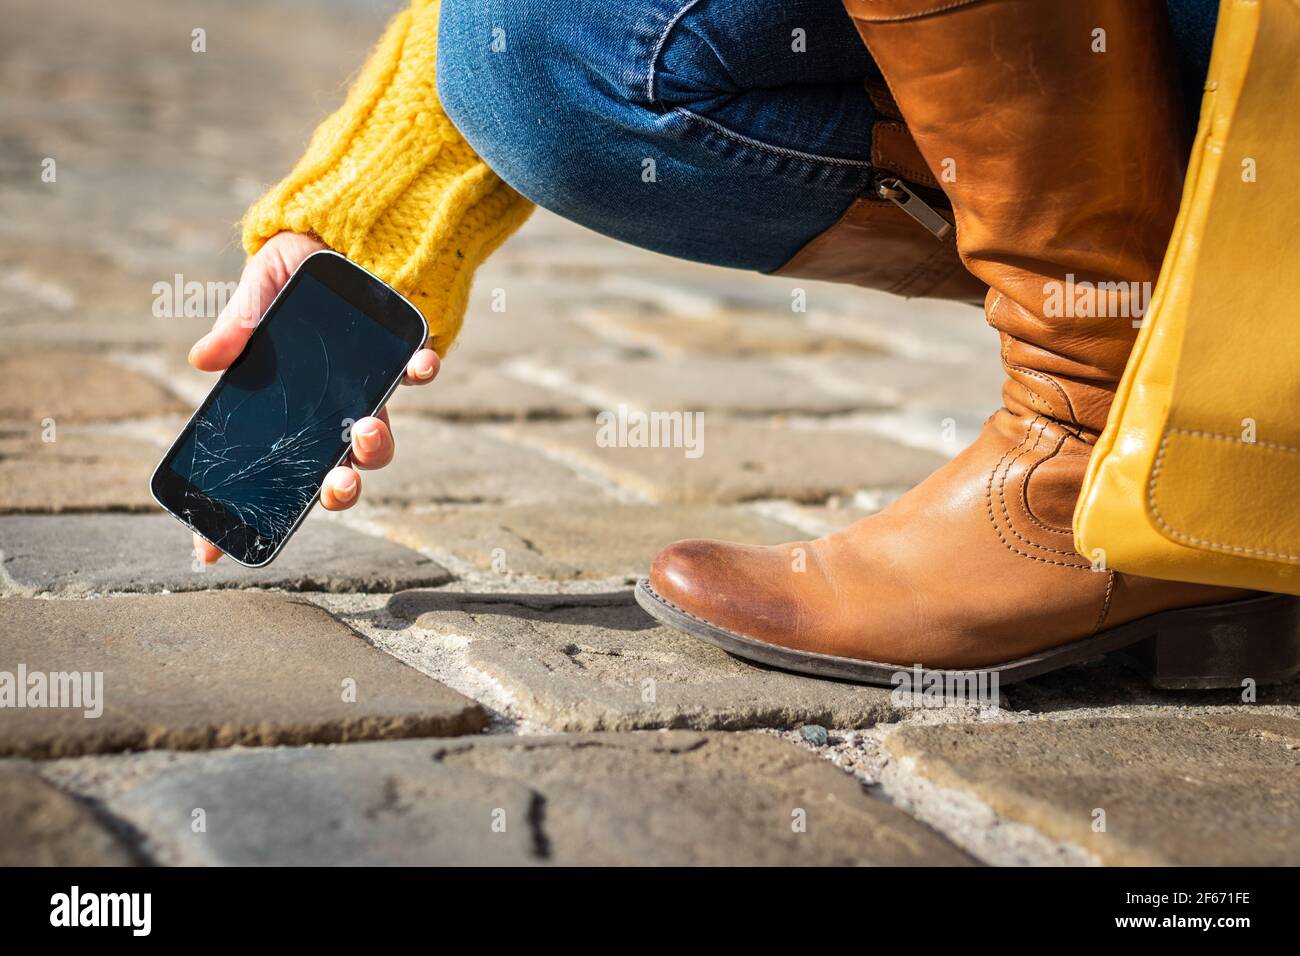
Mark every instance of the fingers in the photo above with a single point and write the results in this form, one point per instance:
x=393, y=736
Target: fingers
x=423, y=368
x=264, y=276
x=206, y=553
x=341, y=489
x=372, y=443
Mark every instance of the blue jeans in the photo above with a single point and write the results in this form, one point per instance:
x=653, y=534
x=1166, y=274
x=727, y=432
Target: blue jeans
x=690, y=127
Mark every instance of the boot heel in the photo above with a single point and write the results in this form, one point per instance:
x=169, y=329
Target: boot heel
x=1203, y=648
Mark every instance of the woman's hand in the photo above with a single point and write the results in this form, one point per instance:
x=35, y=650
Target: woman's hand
x=263, y=277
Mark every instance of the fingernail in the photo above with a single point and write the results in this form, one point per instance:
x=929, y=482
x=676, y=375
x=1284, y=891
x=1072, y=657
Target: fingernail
x=345, y=490
x=368, y=438
x=197, y=345
x=424, y=373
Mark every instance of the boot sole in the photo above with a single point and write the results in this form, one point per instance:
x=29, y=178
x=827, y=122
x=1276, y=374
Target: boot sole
x=1198, y=648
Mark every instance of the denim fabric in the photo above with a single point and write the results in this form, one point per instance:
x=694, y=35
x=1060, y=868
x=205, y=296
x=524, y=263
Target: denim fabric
x=756, y=147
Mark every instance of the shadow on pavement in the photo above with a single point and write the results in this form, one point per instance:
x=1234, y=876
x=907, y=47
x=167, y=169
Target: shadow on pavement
x=615, y=610
x=1106, y=683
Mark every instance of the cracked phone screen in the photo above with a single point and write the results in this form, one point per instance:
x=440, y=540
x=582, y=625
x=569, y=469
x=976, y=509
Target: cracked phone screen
x=281, y=418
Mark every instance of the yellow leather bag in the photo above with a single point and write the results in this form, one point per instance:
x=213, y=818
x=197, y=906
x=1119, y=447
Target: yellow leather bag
x=1197, y=474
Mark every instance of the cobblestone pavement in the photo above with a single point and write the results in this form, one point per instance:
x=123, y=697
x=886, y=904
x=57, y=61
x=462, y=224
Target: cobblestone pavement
x=477, y=605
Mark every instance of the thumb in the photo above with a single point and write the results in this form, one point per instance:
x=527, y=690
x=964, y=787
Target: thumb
x=263, y=278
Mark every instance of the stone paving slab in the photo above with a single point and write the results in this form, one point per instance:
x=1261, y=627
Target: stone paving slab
x=537, y=319
x=465, y=392
x=211, y=670
x=744, y=461
x=598, y=662
x=551, y=238
x=624, y=279
x=576, y=541
x=92, y=331
x=69, y=387
x=170, y=365
x=971, y=388
x=45, y=827
x=721, y=332
x=924, y=329
x=1285, y=730
x=939, y=405
x=160, y=149
x=818, y=520
x=80, y=470
x=439, y=463
x=912, y=328
x=82, y=554
x=57, y=292
x=627, y=799
x=713, y=384
x=1208, y=791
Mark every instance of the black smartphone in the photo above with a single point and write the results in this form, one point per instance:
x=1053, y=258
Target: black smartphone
x=328, y=351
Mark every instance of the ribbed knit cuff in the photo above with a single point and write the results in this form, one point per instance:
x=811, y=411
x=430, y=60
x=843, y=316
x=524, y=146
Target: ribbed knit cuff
x=389, y=182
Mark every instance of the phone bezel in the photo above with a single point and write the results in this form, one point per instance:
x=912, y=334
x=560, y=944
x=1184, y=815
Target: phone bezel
x=361, y=289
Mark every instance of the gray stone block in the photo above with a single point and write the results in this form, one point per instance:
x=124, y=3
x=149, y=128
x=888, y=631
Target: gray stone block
x=214, y=669
x=82, y=554
x=629, y=799
x=574, y=541
x=45, y=827
x=1191, y=791
x=598, y=662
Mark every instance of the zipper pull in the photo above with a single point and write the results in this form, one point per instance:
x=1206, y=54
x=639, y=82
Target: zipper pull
x=896, y=191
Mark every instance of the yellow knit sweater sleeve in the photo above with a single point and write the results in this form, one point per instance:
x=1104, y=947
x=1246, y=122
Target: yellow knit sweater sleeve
x=388, y=182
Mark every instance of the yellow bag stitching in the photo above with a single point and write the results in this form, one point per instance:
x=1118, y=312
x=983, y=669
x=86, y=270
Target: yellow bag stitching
x=1203, y=542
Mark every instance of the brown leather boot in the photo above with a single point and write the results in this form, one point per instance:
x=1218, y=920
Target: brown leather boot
x=898, y=237
x=1068, y=168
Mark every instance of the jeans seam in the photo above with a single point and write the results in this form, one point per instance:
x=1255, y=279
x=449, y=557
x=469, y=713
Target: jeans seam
x=782, y=151
x=659, y=48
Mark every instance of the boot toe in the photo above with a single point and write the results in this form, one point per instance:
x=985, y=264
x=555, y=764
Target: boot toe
x=732, y=586
x=679, y=571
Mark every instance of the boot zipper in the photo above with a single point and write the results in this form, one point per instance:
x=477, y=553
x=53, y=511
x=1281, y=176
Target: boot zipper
x=896, y=191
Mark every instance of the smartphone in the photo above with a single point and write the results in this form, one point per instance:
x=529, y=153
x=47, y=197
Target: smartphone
x=329, y=350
